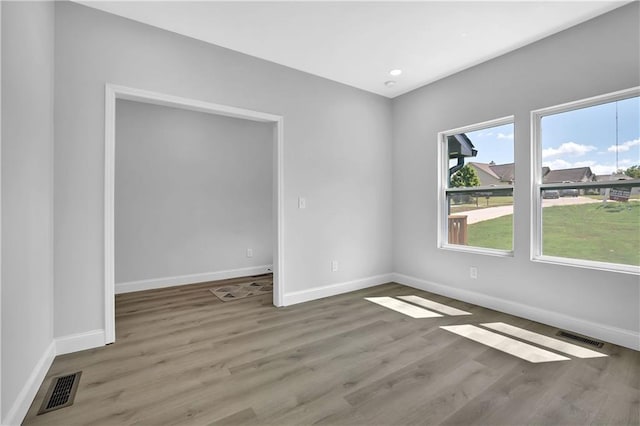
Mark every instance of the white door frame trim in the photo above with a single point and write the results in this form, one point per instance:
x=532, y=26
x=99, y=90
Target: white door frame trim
x=113, y=92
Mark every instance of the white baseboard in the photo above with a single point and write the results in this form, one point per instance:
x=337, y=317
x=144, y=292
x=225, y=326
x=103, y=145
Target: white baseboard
x=618, y=336
x=79, y=342
x=131, y=286
x=19, y=409
x=59, y=346
x=334, y=289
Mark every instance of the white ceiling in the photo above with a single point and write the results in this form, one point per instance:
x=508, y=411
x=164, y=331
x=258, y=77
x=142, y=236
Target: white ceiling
x=358, y=43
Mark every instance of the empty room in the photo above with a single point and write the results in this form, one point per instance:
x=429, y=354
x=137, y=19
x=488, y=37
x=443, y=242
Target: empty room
x=339, y=213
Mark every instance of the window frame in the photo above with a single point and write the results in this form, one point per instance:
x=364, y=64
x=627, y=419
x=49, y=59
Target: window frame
x=537, y=187
x=444, y=190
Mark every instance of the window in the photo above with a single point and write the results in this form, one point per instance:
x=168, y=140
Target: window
x=587, y=183
x=477, y=174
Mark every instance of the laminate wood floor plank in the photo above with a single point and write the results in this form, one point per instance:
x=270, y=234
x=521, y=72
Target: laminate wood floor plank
x=242, y=417
x=221, y=351
x=125, y=299
x=512, y=397
x=248, y=388
x=368, y=356
x=367, y=364
x=621, y=407
x=216, y=309
x=217, y=359
x=307, y=353
x=184, y=357
x=421, y=370
x=263, y=318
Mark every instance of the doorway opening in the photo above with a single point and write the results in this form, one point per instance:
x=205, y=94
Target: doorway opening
x=115, y=93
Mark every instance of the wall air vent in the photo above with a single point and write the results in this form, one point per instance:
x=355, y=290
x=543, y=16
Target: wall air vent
x=61, y=393
x=580, y=339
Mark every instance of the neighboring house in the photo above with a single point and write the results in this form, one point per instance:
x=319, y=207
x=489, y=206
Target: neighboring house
x=485, y=174
x=617, y=176
x=578, y=174
x=612, y=177
x=494, y=174
x=506, y=172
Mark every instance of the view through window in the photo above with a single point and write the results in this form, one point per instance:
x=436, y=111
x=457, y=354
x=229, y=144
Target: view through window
x=589, y=183
x=479, y=187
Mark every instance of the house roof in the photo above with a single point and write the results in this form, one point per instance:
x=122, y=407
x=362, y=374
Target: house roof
x=616, y=176
x=506, y=172
x=578, y=174
x=496, y=172
x=485, y=168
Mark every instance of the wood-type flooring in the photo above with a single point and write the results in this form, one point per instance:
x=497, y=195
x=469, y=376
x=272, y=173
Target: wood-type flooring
x=183, y=357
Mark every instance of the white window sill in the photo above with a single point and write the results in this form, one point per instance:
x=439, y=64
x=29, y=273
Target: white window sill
x=477, y=250
x=588, y=264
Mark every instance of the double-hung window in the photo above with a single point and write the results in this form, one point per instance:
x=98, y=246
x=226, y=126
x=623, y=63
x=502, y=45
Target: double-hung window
x=586, y=183
x=476, y=178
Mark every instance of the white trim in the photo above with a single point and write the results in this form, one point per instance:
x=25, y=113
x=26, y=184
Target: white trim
x=163, y=99
x=1, y=412
x=587, y=102
x=442, y=220
x=59, y=346
x=443, y=181
x=25, y=397
x=589, y=264
x=154, y=283
x=477, y=250
x=335, y=289
x=109, y=214
x=278, y=214
x=113, y=92
x=509, y=119
x=536, y=249
x=79, y=342
x=627, y=338
x=535, y=227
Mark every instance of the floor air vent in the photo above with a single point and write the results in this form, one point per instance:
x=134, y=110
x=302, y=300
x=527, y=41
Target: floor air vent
x=580, y=339
x=61, y=392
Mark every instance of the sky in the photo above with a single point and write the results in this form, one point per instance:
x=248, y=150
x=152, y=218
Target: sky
x=579, y=138
x=493, y=144
x=587, y=137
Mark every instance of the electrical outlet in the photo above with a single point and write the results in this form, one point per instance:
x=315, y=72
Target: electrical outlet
x=249, y=252
x=334, y=265
x=473, y=272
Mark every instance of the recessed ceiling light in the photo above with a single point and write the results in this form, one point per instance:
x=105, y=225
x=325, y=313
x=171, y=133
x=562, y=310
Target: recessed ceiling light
x=389, y=83
x=395, y=72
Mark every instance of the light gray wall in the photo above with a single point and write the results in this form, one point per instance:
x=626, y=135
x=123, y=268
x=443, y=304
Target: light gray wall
x=27, y=155
x=336, y=152
x=193, y=192
x=597, y=57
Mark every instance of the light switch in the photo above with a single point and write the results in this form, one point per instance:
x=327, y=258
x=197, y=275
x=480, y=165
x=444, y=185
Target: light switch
x=302, y=203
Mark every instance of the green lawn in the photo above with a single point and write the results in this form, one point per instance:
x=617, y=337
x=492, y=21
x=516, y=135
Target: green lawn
x=495, y=233
x=603, y=232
